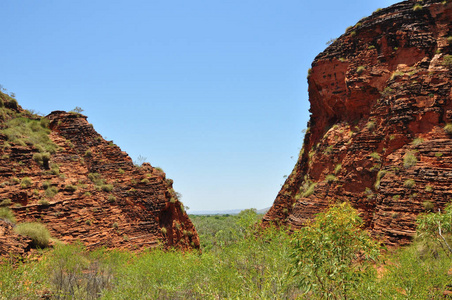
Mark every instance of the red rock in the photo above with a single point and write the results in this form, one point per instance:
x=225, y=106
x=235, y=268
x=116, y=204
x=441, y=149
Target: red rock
x=133, y=208
x=378, y=94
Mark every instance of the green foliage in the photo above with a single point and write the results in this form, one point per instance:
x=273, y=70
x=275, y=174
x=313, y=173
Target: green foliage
x=447, y=60
x=409, y=160
x=428, y=206
x=409, y=183
x=375, y=155
x=370, y=125
x=417, y=7
x=331, y=254
x=360, y=69
x=417, y=141
x=36, y=231
x=51, y=192
x=5, y=202
x=107, y=187
x=25, y=182
x=330, y=178
x=44, y=202
x=70, y=188
x=380, y=175
x=448, y=128
x=246, y=263
x=21, y=130
x=337, y=168
x=432, y=226
x=7, y=214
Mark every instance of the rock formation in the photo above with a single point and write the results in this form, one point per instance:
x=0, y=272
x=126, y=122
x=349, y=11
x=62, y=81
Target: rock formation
x=380, y=132
x=59, y=171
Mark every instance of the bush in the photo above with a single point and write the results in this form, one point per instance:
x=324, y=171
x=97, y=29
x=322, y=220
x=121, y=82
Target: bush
x=7, y=214
x=5, y=202
x=447, y=60
x=51, y=192
x=25, y=182
x=360, y=69
x=417, y=7
x=71, y=188
x=448, y=128
x=428, y=206
x=111, y=198
x=330, y=178
x=370, y=125
x=44, y=202
x=36, y=231
x=409, y=183
x=331, y=254
x=409, y=160
x=46, y=185
x=107, y=187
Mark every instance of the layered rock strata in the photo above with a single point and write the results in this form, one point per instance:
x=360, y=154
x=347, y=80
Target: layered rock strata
x=379, y=134
x=87, y=190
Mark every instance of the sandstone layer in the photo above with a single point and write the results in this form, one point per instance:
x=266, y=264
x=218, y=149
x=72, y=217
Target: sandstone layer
x=379, y=134
x=82, y=187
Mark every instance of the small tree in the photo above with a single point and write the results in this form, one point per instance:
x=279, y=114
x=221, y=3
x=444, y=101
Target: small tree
x=432, y=227
x=331, y=253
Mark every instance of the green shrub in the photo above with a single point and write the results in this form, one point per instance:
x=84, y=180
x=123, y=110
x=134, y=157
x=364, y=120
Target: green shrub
x=5, y=202
x=107, y=187
x=417, y=141
x=309, y=190
x=370, y=125
x=330, y=178
x=447, y=60
x=121, y=171
x=409, y=160
x=111, y=198
x=46, y=185
x=43, y=202
x=428, y=206
x=360, y=69
x=417, y=7
x=337, y=168
x=409, y=183
x=25, y=182
x=36, y=231
x=325, y=254
x=7, y=214
x=51, y=192
x=70, y=188
x=375, y=155
x=448, y=128
x=428, y=188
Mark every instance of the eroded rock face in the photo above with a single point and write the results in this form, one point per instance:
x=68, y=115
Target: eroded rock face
x=100, y=197
x=380, y=100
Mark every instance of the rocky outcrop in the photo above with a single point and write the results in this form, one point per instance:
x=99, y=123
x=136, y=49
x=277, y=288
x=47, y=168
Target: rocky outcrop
x=84, y=188
x=378, y=136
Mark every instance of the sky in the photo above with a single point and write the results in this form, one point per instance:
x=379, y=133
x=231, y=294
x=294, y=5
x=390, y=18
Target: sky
x=213, y=92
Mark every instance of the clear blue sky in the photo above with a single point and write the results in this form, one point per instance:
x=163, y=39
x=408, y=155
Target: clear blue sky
x=214, y=92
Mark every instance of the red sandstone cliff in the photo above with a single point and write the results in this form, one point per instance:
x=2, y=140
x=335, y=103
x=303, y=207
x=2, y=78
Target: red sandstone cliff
x=83, y=187
x=381, y=97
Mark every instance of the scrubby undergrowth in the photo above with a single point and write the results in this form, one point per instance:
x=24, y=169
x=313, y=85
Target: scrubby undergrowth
x=241, y=262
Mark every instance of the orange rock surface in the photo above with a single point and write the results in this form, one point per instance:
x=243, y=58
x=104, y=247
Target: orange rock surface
x=381, y=97
x=102, y=198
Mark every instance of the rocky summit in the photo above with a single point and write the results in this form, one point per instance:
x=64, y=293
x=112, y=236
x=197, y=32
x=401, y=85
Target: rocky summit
x=58, y=171
x=380, y=131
